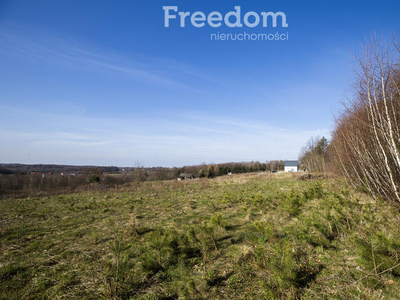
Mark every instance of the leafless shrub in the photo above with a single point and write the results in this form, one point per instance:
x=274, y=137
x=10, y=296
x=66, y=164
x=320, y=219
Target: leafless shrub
x=314, y=155
x=366, y=139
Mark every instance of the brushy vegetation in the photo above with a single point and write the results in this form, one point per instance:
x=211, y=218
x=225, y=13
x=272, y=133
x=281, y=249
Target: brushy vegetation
x=237, y=237
x=366, y=141
x=44, y=180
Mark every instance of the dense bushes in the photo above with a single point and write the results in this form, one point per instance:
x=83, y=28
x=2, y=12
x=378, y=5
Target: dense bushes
x=89, y=178
x=366, y=140
x=213, y=170
x=315, y=155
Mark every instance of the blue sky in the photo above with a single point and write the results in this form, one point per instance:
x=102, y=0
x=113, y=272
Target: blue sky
x=105, y=83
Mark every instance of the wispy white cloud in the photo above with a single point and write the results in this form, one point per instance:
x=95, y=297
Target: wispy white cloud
x=189, y=139
x=61, y=132
x=42, y=47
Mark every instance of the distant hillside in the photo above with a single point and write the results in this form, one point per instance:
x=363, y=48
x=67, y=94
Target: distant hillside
x=44, y=168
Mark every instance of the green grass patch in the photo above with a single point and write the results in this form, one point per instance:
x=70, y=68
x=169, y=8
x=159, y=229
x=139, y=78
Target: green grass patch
x=236, y=237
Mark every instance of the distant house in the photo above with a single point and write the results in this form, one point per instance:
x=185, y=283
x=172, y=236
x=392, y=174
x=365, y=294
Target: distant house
x=41, y=173
x=185, y=176
x=291, y=166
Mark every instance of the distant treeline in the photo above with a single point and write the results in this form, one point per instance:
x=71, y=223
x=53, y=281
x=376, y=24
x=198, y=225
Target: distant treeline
x=36, y=180
x=212, y=170
x=54, y=169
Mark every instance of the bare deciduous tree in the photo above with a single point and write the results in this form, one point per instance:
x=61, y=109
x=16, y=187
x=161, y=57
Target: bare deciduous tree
x=314, y=154
x=366, y=139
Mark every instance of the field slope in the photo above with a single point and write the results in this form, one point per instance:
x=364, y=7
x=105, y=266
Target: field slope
x=254, y=236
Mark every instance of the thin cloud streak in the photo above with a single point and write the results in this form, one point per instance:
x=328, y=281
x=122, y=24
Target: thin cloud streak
x=153, y=141
x=83, y=55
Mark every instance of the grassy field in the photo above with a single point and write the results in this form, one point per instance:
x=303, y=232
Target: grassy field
x=253, y=236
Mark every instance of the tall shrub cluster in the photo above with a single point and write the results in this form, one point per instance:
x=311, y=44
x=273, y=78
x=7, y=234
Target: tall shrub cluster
x=213, y=170
x=366, y=140
x=314, y=156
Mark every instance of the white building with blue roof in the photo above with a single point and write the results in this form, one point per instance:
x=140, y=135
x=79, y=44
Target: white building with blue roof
x=291, y=166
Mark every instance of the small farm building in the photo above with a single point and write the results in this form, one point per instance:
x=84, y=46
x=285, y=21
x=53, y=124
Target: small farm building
x=291, y=166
